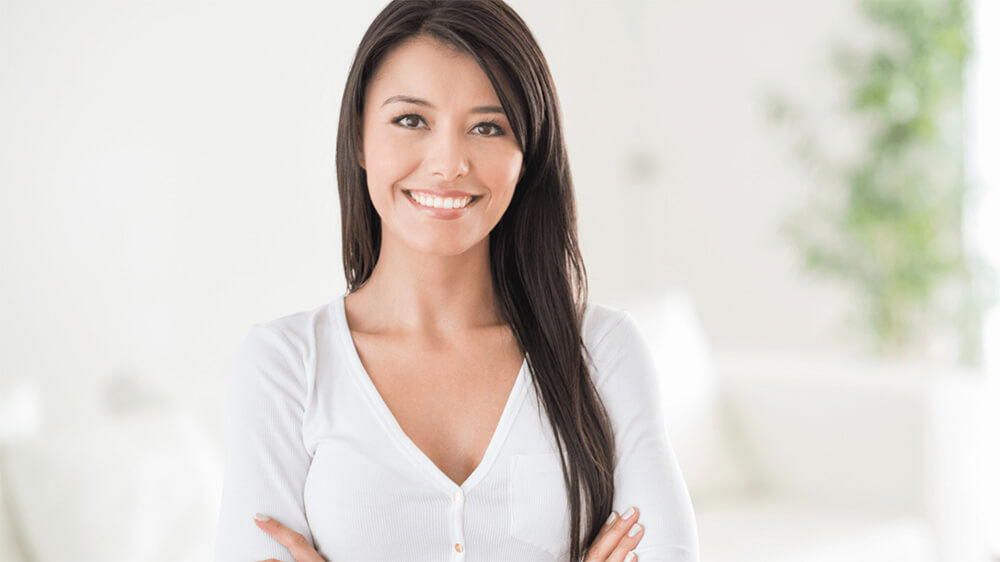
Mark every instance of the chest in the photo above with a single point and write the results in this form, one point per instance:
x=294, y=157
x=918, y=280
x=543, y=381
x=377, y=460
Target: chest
x=449, y=400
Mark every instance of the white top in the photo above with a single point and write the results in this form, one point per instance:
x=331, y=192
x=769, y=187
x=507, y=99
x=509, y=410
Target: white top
x=311, y=443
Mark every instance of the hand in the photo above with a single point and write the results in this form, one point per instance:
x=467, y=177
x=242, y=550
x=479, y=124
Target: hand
x=301, y=549
x=613, y=543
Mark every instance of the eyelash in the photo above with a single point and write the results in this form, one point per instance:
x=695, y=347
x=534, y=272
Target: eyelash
x=494, y=124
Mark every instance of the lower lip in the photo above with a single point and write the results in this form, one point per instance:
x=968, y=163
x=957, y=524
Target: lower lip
x=446, y=214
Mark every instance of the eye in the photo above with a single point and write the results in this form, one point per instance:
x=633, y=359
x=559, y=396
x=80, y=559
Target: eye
x=406, y=116
x=496, y=126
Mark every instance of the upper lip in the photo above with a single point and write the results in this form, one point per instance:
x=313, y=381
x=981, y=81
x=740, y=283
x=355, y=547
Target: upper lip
x=442, y=194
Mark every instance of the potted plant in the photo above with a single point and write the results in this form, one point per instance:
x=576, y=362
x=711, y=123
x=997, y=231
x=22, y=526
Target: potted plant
x=891, y=227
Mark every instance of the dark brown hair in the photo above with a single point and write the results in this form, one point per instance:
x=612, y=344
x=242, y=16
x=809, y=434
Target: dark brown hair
x=535, y=262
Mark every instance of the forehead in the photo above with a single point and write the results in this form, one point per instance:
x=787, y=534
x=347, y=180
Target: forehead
x=428, y=69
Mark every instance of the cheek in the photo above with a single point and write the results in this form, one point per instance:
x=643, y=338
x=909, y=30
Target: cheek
x=388, y=158
x=499, y=170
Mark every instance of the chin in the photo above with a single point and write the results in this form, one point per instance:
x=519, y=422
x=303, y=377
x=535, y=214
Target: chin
x=442, y=248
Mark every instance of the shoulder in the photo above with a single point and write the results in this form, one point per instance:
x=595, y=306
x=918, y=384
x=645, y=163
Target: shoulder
x=614, y=342
x=282, y=346
x=301, y=330
x=600, y=321
x=303, y=324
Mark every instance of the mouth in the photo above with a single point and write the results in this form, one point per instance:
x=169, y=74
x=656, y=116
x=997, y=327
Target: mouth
x=442, y=203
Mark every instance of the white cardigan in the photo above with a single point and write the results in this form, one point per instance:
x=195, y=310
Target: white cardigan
x=311, y=443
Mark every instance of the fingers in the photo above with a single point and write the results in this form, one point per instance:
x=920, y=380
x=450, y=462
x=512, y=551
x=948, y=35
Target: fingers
x=300, y=547
x=612, y=543
x=630, y=539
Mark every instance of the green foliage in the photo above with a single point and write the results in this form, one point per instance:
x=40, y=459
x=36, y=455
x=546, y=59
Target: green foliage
x=894, y=231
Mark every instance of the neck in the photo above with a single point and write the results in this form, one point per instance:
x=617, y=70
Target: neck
x=411, y=292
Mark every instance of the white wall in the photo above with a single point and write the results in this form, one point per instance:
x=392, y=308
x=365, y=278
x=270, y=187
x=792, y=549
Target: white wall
x=167, y=171
x=683, y=83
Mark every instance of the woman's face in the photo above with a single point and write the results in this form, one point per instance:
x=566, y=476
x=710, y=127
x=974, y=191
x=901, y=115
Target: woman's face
x=450, y=135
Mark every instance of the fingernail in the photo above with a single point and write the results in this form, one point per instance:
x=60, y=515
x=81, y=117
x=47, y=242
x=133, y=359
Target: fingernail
x=628, y=513
x=630, y=557
x=634, y=530
x=611, y=518
x=261, y=517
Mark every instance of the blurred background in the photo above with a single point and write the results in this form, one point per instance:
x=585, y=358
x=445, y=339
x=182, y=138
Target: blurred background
x=799, y=201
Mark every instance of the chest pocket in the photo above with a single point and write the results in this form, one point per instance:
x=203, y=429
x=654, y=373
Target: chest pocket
x=539, y=512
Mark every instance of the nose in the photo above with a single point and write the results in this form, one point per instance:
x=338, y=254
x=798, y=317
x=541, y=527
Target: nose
x=446, y=156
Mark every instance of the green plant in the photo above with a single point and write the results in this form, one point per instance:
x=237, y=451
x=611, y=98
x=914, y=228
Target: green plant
x=893, y=225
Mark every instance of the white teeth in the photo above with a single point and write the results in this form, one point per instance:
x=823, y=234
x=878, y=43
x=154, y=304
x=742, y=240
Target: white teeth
x=440, y=203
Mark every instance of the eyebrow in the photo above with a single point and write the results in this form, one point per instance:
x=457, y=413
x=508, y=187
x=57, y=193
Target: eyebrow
x=418, y=101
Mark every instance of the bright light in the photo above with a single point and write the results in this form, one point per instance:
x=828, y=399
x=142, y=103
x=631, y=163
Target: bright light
x=984, y=166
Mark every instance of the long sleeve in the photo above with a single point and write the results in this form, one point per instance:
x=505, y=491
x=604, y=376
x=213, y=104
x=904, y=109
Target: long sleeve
x=266, y=461
x=648, y=475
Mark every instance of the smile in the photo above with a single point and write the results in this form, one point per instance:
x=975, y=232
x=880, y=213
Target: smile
x=435, y=207
x=441, y=203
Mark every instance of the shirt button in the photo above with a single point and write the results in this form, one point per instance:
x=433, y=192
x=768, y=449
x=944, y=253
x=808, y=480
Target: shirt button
x=458, y=547
x=458, y=498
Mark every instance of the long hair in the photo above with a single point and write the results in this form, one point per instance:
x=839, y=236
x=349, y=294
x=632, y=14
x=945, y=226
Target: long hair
x=535, y=262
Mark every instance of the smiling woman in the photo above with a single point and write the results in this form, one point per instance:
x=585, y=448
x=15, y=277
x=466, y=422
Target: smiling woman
x=463, y=398
x=427, y=140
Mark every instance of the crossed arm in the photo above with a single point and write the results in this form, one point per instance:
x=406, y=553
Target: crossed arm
x=266, y=461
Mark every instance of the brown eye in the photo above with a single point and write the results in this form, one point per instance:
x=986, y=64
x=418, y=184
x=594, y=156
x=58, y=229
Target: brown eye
x=407, y=118
x=490, y=125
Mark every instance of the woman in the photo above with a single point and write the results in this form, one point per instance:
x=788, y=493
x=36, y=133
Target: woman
x=447, y=404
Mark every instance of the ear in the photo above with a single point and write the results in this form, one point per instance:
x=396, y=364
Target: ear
x=361, y=158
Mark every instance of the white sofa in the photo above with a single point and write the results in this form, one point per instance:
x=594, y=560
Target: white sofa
x=803, y=458
x=788, y=458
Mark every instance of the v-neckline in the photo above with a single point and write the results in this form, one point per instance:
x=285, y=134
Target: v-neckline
x=395, y=430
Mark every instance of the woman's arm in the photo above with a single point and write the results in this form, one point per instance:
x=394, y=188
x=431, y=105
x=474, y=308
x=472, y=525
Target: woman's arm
x=648, y=475
x=266, y=461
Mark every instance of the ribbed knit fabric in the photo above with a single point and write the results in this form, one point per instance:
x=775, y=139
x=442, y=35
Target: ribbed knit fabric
x=311, y=443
